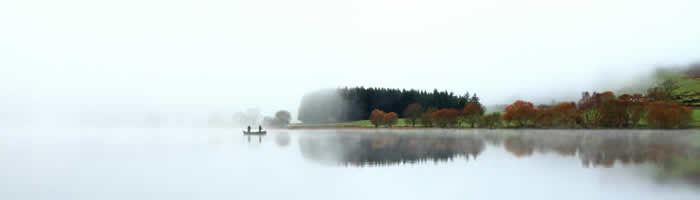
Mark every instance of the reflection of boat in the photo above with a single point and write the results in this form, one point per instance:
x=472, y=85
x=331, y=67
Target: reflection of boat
x=254, y=133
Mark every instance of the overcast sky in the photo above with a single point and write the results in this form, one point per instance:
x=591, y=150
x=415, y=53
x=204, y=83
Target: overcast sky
x=233, y=55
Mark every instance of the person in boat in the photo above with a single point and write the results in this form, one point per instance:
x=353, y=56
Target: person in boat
x=260, y=128
x=248, y=129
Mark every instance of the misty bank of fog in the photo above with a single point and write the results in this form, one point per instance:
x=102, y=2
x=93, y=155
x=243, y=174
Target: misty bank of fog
x=31, y=112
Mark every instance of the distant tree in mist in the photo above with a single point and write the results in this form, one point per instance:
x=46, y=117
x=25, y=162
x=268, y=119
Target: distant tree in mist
x=281, y=119
x=247, y=118
x=413, y=112
x=693, y=70
x=325, y=105
x=283, y=116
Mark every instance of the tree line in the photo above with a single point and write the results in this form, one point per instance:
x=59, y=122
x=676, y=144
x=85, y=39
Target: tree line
x=593, y=110
x=351, y=104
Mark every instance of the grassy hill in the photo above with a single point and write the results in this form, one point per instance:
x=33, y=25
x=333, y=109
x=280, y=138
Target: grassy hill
x=688, y=91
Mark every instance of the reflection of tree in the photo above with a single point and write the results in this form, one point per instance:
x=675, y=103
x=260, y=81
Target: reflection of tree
x=519, y=146
x=670, y=152
x=282, y=139
x=387, y=148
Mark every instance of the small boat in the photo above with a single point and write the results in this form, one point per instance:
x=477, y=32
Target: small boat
x=254, y=133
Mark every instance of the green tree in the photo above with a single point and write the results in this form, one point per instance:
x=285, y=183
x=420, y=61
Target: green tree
x=492, y=120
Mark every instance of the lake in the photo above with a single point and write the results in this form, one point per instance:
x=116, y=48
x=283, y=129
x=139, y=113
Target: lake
x=191, y=163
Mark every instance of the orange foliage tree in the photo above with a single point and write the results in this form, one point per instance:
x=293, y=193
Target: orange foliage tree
x=376, y=117
x=520, y=112
x=445, y=117
x=413, y=112
x=566, y=115
x=472, y=113
x=544, y=116
x=666, y=114
x=390, y=119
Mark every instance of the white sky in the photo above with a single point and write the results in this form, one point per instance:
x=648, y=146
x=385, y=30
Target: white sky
x=233, y=55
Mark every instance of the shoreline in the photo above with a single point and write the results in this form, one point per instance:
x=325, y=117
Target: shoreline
x=435, y=128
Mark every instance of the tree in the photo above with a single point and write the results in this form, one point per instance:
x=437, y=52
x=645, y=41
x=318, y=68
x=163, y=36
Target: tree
x=520, y=112
x=377, y=117
x=589, y=105
x=349, y=104
x=566, y=115
x=658, y=94
x=635, y=107
x=544, y=116
x=283, y=118
x=472, y=112
x=614, y=113
x=492, y=120
x=390, y=119
x=427, y=117
x=413, y=112
x=445, y=117
x=666, y=114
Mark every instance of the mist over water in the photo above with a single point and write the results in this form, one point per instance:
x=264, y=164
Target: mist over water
x=185, y=163
x=146, y=99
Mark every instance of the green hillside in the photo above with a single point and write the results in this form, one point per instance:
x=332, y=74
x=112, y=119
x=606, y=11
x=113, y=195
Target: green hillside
x=688, y=91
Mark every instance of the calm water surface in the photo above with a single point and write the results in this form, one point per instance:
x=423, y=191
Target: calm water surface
x=178, y=163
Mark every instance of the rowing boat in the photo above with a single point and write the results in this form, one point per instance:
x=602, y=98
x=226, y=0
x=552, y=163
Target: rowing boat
x=254, y=133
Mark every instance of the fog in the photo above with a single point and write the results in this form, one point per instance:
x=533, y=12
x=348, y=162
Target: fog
x=60, y=60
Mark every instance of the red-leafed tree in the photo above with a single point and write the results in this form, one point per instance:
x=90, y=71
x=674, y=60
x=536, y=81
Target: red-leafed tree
x=666, y=114
x=544, y=116
x=520, y=113
x=390, y=119
x=445, y=117
x=376, y=117
x=472, y=113
x=566, y=115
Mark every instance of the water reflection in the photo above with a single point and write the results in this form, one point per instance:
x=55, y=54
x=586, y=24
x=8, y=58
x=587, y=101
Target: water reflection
x=259, y=138
x=673, y=153
x=388, y=148
x=282, y=139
